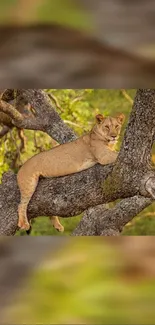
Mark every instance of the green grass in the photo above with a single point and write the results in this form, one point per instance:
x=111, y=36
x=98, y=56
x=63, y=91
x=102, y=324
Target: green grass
x=140, y=226
x=41, y=226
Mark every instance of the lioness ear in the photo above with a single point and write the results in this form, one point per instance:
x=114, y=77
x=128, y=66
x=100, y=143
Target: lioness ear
x=121, y=118
x=99, y=118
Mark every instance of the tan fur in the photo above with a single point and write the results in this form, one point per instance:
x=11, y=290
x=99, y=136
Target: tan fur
x=72, y=157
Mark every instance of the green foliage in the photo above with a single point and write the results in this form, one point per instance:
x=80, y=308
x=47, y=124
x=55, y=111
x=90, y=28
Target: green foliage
x=80, y=106
x=142, y=225
x=64, y=12
x=8, y=149
x=77, y=107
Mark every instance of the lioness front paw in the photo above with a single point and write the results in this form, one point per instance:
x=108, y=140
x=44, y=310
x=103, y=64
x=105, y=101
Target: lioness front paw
x=56, y=224
x=23, y=225
x=59, y=228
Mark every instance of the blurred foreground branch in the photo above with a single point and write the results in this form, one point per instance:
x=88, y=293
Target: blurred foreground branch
x=67, y=58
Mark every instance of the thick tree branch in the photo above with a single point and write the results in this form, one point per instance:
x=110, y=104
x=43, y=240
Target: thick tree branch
x=63, y=196
x=101, y=221
x=47, y=119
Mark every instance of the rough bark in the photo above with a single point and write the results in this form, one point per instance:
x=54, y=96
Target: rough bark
x=130, y=177
x=46, y=118
x=66, y=58
x=101, y=221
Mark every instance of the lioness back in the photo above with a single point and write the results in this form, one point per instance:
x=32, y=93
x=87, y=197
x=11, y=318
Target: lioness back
x=61, y=160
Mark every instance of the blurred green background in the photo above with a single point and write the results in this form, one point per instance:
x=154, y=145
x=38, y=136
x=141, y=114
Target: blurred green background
x=66, y=12
x=70, y=288
x=78, y=109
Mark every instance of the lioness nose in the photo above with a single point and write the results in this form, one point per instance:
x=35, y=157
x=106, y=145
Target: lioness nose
x=113, y=136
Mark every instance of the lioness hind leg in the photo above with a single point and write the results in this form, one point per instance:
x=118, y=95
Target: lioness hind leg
x=26, y=194
x=56, y=224
x=22, y=214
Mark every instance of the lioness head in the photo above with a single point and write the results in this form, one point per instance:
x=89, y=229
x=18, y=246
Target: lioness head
x=109, y=127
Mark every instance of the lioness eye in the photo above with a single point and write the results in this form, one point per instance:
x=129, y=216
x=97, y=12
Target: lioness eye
x=117, y=126
x=107, y=127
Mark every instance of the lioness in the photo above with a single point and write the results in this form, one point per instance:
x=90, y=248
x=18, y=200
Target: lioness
x=72, y=157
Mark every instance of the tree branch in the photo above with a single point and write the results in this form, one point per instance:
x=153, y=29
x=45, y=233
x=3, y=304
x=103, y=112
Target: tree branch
x=63, y=196
x=47, y=119
x=11, y=108
x=11, y=111
x=55, y=100
x=101, y=221
x=72, y=59
x=4, y=131
x=130, y=100
x=74, y=124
